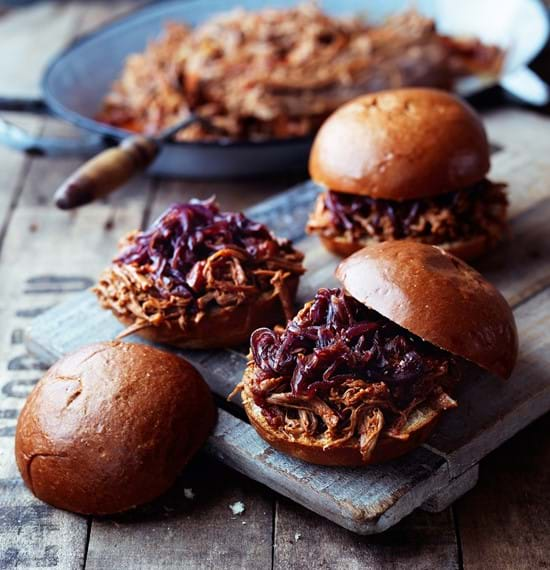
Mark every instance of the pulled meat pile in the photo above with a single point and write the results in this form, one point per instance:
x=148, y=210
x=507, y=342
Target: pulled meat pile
x=341, y=372
x=193, y=258
x=456, y=216
x=280, y=72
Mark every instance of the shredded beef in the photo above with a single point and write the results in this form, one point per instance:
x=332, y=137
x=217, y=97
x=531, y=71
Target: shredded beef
x=194, y=257
x=479, y=210
x=340, y=370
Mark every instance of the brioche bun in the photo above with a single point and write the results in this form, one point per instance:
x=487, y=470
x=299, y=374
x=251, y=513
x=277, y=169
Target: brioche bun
x=437, y=297
x=110, y=426
x=400, y=145
x=418, y=429
x=465, y=249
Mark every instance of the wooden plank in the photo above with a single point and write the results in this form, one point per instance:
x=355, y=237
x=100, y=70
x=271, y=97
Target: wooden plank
x=35, y=276
x=246, y=452
x=422, y=541
x=505, y=521
x=33, y=535
x=53, y=24
x=15, y=166
x=318, y=540
x=235, y=195
x=455, y=489
x=464, y=437
x=180, y=532
x=365, y=501
x=522, y=161
x=521, y=267
x=491, y=411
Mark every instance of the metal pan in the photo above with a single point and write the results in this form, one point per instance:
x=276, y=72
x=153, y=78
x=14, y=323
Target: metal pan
x=77, y=79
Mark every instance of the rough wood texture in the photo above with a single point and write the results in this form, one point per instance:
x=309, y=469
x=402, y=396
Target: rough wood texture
x=503, y=522
x=184, y=532
x=423, y=541
x=490, y=412
x=33, y=534
x=365, y=501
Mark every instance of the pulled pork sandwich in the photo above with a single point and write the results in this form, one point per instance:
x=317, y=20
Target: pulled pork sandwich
x=406, y=164
x=363, y=373
x=201, y=278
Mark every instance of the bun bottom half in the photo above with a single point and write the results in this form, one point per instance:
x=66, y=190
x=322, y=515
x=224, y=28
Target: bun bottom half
x=347, y=454
x=466, y=249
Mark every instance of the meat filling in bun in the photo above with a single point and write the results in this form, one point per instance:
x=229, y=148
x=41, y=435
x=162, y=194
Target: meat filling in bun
x=363, y=372
x=342, y=372
x=459, y=216
x=406, y=164
x=201, y=278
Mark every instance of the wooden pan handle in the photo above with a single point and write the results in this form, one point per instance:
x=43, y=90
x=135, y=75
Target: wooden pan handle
x=106, y=172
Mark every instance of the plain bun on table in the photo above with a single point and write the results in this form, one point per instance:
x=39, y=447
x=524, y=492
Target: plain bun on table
x=110, y=426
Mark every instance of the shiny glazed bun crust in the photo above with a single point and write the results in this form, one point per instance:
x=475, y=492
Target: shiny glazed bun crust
x=437, y=297
x=110, y=426
x=401, y=144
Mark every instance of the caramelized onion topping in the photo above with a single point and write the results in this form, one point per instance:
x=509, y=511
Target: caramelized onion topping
x=337, y=338
x=477, y=210
x=195, y=257
x=341, y=370
x=173, y=250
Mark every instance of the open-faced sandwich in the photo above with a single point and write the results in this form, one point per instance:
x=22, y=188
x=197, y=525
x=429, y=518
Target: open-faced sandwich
x=363, y=373
x=406, y=164
x=201, y=278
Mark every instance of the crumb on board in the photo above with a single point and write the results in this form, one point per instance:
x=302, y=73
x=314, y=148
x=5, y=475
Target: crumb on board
x=297, y=536
x=237, y=508
x=189, y=494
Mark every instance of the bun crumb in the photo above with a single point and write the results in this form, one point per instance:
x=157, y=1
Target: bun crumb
x=237, y=508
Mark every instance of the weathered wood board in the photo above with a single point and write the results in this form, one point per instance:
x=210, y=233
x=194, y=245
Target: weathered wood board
x=371, y=500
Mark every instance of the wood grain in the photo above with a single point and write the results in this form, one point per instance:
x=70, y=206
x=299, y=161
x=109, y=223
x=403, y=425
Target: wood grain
x=420, y=541
x=15, y=166
x=505, y=521
x=34, y=278
x=365, y=501
x=522, y=161
x=498, y=519
x=492, y=411
x=201, y=532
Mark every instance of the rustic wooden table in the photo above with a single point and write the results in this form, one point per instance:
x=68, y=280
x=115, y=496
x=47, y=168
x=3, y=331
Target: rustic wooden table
x=46, y=255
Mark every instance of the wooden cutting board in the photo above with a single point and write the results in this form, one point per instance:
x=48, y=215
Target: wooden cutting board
x=372, y=499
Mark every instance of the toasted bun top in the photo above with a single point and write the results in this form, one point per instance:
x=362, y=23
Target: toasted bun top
x=437, y=297
x=401, y=144
x=110, y=426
